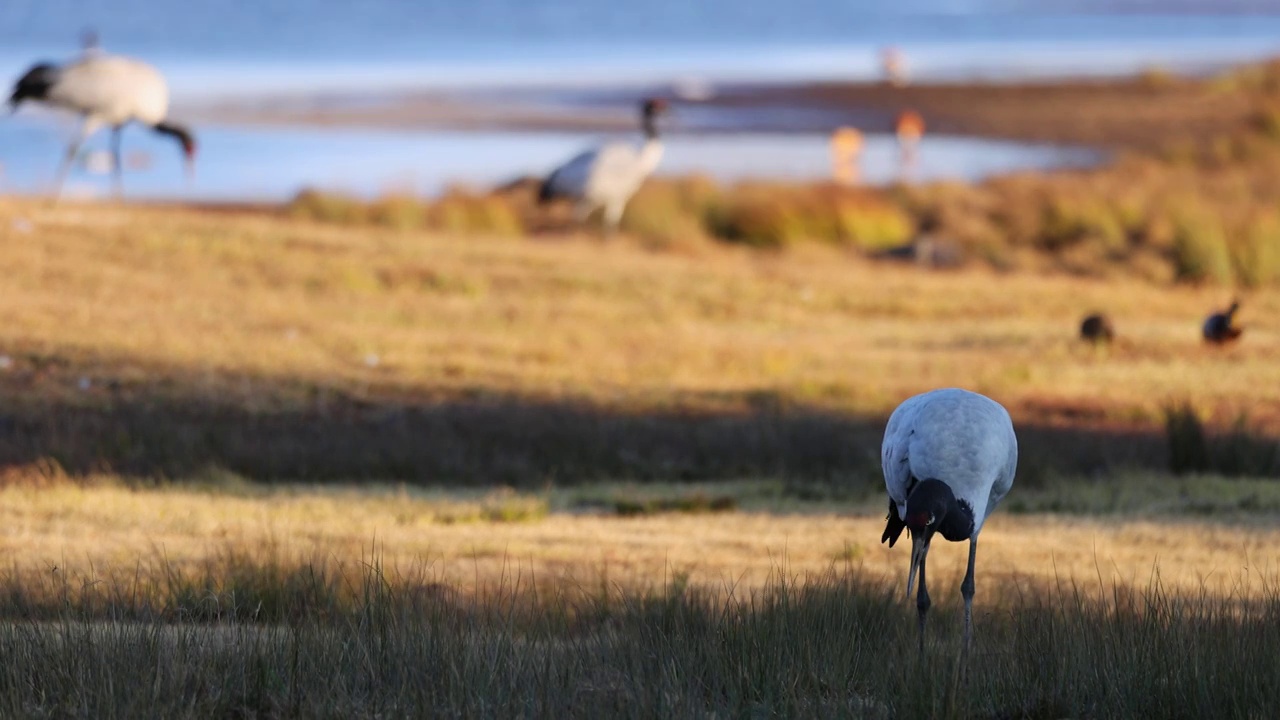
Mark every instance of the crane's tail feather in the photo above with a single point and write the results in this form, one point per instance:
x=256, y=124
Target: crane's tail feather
x=893, y=526
x=547, y=191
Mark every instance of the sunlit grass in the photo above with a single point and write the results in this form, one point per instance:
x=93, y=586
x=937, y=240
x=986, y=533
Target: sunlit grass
x=1209, y=533
x=158, y=339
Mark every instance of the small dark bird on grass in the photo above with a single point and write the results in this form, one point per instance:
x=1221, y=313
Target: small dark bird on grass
x=1220, y=327
x=1097, y=329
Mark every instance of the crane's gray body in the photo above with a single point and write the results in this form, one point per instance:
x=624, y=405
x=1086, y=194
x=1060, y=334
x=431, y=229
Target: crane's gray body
x=964, y=439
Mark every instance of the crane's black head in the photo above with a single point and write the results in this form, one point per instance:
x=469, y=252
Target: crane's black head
x=184, y=138
x=182, y=135
x=34, y=84
x=649, y=111
x=654, y=106
x=932, y=507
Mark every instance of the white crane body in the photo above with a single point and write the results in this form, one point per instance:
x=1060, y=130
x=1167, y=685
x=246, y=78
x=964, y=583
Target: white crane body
x=113, y=90
x=608, y=176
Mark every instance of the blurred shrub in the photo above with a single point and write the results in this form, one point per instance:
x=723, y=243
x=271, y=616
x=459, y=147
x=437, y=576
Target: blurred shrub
x=1068, y=220
x=1200, y=250
x=671, y=212
x=1266, y=120
x=328, y=207
x=869, y=222
x=1257, y=255
x=467, y=213
x=1188, y=449
x=403, y=212
x=756, y=221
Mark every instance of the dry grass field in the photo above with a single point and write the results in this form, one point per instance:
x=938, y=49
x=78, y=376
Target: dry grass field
x=692, y=437
x=396, y=460
x=117, y=536
x=311, y=602
x=158, y=341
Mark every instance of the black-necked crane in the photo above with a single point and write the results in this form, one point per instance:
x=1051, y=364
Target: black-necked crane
x=606, y=177
x=105, y=90
x=1220, y=328
x=948, y=458
x=1097, y=329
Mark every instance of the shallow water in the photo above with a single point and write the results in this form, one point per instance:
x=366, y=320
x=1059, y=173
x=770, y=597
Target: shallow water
x=212, y=48
x=251, y=163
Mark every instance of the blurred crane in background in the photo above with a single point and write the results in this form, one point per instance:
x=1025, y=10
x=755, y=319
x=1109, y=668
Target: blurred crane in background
x=105, y=90
x=608, y=176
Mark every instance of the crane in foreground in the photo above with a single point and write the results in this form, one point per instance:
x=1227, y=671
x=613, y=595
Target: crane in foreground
x=1220, y=328
x=106, y=91
x=948, y=458
x=606, y=177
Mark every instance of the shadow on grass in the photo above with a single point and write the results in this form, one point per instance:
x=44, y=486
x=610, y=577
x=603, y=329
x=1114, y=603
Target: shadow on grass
x=316, y=640
x=482, y=438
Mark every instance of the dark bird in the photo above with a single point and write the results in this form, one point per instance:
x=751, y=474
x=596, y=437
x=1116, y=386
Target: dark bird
x=1097, y=329
x=948, y=457
x=1220, y=327
x=105, y=90
x=606, y=177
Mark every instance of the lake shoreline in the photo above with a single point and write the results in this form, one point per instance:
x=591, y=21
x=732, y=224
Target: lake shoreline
x=1136, y=112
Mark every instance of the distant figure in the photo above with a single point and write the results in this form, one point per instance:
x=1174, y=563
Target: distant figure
x=846, y=155
x=910, y=129
x=609, y=175
x=104, y=90
x=1220, y=328
x=894, y=64
x=1097, y=329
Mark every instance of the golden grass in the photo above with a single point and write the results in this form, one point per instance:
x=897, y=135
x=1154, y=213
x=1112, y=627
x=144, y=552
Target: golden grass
x=266, y=312
x=107, y=532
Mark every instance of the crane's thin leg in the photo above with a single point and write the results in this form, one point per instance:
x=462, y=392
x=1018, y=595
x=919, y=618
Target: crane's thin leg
x=87, y=127
x=966, y=591
x=612, y=218
x=73, y=149
x=922, y=603
x=117, y=167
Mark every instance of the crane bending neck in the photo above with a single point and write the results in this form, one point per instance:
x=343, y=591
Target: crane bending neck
x=952, y=517
x=650, y=127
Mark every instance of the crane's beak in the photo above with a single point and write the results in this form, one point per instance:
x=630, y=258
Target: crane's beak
x=919, y=549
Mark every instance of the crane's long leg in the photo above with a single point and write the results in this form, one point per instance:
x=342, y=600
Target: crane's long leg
x=87, y=127
x=966, y=591
x=117, y=167
x=922, y=601
x=612, y=218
